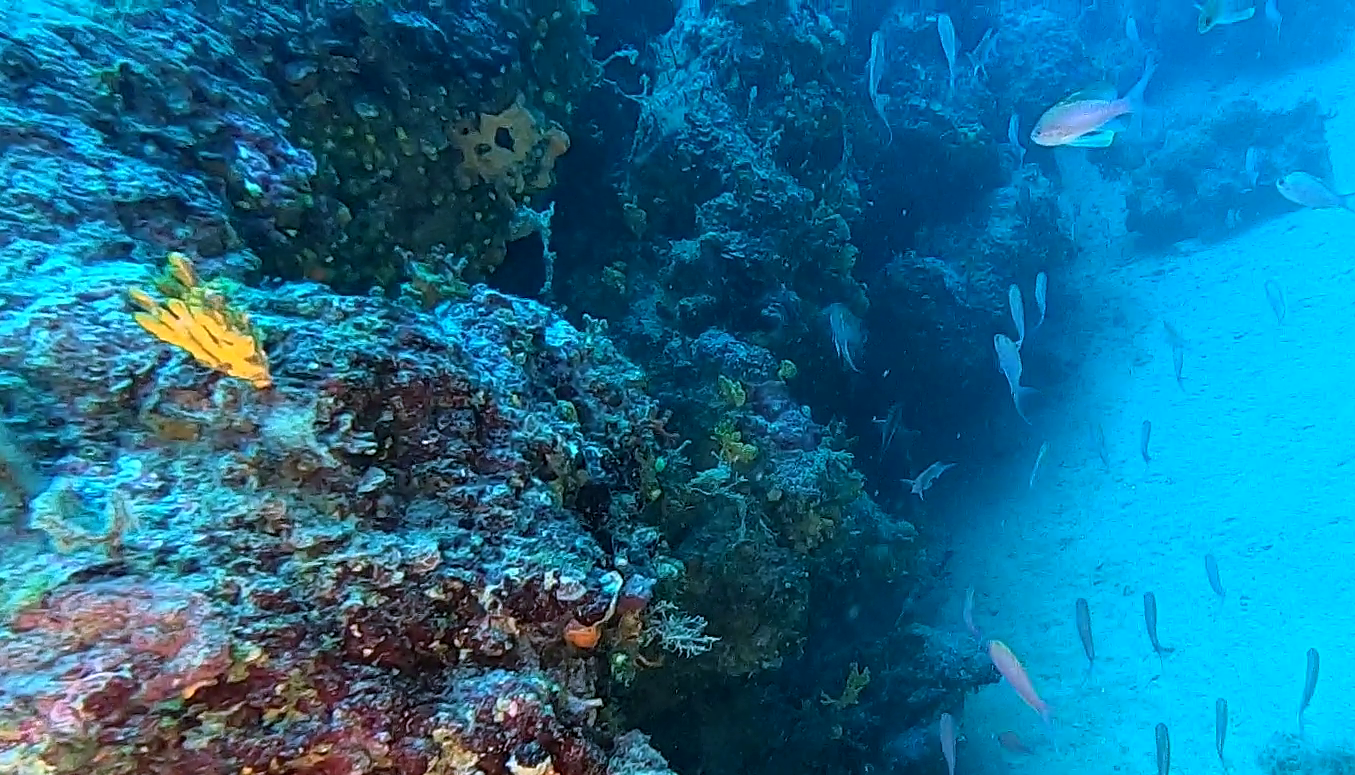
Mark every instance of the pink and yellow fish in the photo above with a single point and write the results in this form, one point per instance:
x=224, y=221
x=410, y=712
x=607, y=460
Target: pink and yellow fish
x=1011, y=669
x=1091, y=117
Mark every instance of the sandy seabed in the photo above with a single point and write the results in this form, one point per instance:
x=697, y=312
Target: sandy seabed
x=1253, y=460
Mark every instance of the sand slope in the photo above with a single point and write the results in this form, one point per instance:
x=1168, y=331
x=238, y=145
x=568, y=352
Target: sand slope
x=1254, y=461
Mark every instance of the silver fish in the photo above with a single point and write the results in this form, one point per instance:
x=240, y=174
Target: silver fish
x=1014, y=140
x=890, y=426
x=948, y=741
x=1220, y=728
x=981, y=53
x=1039, y=458
x=927, y=478
x=1084, y=630
x=1309, y=686
x=1099, y=441
x=1273, y=16
x=1306, y=190
x=1275, y=295
x=1018, y=313
x=1131, y=31
x=876, y=73
x=969, y=614
x=1178, y=345
x=847, y=333
x=1211, y=571
x=1009, y=362
x=946, y=29
x=1041, y=295
x=1164, y=749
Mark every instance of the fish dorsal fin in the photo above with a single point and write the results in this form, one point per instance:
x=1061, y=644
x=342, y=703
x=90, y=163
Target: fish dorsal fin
x=1099, y=91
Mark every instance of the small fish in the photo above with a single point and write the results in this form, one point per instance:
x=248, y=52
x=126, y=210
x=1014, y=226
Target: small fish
x=1275, y=295
x=1273, y=16
x=1010, y=741
x=889, y=426
x=1150, y=619
x=1164, y=750
x=1018, y=309
x=1220, y=727
x=1041, y=295
x=1306, y=190
x=1099, y=441
x=969, y=614
x=1010, y=667
x=948, y=741
x=1252, y=166
x=1145, y=433
x=927, y=478
x=1131, y=31
x=1014, y=140
x=1084, y=630
x=1009, y=362
x=875, y=73
x=1087, y=118
x=847, y=332
x=946, y=29
x=1216, y=12
x=1178, y=345
x=1309, y=686
x=1211, y=569
x=1039, y=458
x=982, y=53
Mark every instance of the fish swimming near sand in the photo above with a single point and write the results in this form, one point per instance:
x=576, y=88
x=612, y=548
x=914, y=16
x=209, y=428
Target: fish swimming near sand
x=927, y=478
x=1216, y=12
x=1275, y=295
x=1164, y=749
x=1009, y=362
x=1011, y=669
x=969, y=614
x=1309, y=686
x=1150, y=619
x=1308, y=191
x=1211, y=571
x=1039, y=458
x=1084, y=630
x=1220, y=728
x=1091, y=117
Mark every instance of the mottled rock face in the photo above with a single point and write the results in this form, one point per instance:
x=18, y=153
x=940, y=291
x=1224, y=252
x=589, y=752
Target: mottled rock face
x=382, y=549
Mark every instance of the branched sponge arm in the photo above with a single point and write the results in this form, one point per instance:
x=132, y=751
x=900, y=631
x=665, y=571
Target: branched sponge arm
x=200, y=322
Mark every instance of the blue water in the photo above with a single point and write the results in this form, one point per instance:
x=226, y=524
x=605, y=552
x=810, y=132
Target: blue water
x=1253, y=460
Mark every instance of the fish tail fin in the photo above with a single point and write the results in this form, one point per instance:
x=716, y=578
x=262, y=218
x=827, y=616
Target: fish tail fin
x=1135, y=95
x=1348, y=202
x=1048, y=718
x=1021, y=397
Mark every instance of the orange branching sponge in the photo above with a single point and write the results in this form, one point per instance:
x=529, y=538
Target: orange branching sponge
x=511, y=150
x=199, y=321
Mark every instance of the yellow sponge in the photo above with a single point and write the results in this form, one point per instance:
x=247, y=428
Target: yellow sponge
x=199, y=321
